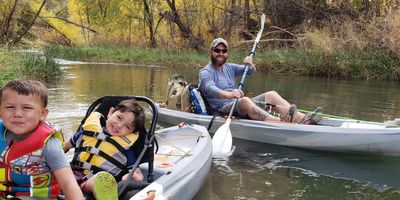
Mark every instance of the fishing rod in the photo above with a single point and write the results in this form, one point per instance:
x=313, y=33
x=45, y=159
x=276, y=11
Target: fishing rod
x=263, y=103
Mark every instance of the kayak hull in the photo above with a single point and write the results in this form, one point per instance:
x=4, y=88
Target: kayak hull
x=338, y=135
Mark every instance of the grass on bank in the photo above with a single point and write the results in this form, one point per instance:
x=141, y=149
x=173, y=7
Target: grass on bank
x=338, y=64
x=303, y=60
x=133, y=55
x=16, y=64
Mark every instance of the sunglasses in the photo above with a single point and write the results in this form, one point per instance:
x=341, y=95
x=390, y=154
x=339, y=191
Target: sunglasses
x=220, y=50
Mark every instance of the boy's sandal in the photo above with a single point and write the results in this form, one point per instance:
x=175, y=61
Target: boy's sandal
x=105, y=186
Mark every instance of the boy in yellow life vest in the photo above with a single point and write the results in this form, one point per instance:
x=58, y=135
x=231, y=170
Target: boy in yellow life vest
x=102, y=153
x=32, y=161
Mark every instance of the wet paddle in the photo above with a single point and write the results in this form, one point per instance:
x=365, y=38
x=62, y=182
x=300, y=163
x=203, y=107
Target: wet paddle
x=222, y=140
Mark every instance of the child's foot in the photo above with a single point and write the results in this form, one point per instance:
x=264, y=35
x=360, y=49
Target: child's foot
x=105, y=187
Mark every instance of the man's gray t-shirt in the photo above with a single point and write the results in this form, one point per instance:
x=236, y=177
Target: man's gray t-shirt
x=212, y=81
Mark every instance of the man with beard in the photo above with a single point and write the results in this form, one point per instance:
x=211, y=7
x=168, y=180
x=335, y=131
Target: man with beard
x=217, y=83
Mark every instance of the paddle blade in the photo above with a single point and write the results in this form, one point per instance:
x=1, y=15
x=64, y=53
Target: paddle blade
x=261, y=29
x=222, y=140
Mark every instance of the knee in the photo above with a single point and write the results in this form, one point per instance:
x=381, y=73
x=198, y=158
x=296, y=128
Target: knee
x=272, y=93
x=245, y=101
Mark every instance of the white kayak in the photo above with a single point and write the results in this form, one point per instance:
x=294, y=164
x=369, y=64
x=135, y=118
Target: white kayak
x=181, y=163
x=337, y=135
x=175, y=161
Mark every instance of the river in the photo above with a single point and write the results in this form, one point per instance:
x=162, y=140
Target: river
x=255, y=170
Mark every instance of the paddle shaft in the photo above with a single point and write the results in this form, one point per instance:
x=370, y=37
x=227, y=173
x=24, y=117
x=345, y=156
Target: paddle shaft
x=222, y=140
x=300, y=110
x=246, y=69
x=241, y=84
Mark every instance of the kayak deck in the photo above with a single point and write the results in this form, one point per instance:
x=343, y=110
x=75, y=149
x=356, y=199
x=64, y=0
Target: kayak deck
x=181, y=163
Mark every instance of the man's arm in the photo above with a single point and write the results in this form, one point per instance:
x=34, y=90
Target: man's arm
x=207, y=84
x=68, y=184
x=58, y=163
x=71, y=142
x=239, y=69
x=210, y=89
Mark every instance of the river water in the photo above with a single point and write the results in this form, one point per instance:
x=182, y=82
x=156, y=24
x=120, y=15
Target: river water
x=255, y=170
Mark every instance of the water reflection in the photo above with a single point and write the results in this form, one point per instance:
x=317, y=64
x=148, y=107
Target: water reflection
x=258, y=171
x=262, y=171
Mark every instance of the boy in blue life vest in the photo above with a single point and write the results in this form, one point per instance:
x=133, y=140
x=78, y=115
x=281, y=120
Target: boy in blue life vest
x=102, y=153
x=32, y=161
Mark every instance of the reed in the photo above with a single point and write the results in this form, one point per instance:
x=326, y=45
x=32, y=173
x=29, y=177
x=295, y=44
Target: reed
x=15, y=64
x=319, y=55
x=40, y=67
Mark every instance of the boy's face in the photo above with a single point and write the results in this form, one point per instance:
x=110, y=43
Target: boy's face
x=21, y=114
x=120, y=123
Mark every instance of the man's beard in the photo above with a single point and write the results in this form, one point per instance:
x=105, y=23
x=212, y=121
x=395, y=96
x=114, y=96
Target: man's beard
x=217, y=62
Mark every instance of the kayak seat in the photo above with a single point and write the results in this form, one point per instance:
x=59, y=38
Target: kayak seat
x=202, y=99
x=103, y=105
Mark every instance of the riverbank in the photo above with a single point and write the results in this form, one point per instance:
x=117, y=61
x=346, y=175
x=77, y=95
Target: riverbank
x=338, y=64
x=299, y=60
x=32, y=64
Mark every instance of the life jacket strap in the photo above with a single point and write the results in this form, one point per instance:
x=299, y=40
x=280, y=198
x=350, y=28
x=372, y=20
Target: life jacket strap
x=96, y=151
x=104, y=137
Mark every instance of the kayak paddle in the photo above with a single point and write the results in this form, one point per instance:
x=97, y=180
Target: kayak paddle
x=222, y=140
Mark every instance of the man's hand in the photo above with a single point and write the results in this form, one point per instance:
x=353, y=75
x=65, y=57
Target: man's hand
x=236, y=93
x=249, y=60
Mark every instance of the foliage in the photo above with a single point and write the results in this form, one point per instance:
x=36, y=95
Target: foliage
x=117, y=54
x=26, y=64
x=40, y=67
x=342, y=38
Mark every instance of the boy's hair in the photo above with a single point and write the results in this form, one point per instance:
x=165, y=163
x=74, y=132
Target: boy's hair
x=27, y=87
x=131, y=105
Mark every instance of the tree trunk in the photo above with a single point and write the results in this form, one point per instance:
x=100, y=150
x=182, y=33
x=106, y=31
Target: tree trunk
x=365, y=7
x=82, y=29
x=232, y=18
x=255, y=7
x=103, y=9
x=18, y=39
x=67, y=41
x=149, y=19
x=88, y=21
x=6, y=26
x=130, y=33
x=246, y=13
x=196, y=42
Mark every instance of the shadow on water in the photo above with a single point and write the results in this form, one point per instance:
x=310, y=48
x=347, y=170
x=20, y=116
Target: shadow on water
x=379, y=171
x=264, y=171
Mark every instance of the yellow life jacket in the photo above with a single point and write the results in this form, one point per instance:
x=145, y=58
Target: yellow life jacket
x=97, y=151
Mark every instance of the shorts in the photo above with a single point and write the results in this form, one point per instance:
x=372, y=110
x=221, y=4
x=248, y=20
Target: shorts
x=226, y=108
